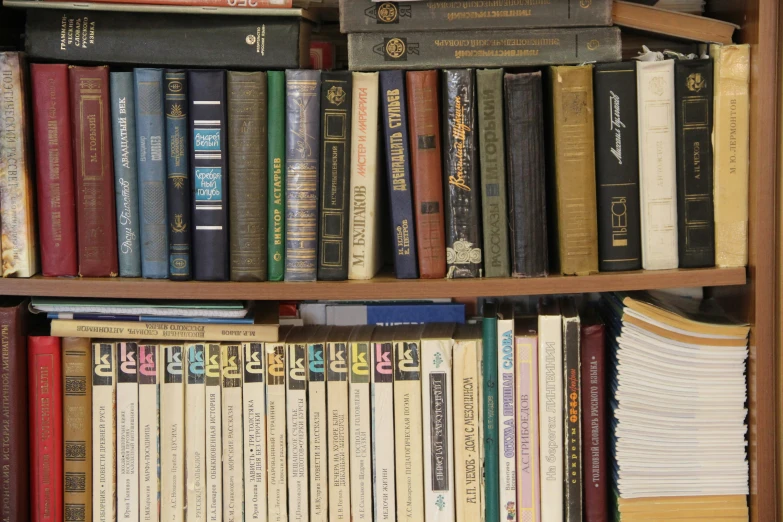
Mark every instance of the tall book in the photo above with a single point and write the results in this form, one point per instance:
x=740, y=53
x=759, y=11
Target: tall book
x=127, y=432
x=463, y=236
x=507, y=459
x=254, y=423
x=207, y=122
x=104, y=449
x=275, y=430
x=151, y=153
x=149, y=376
x=303, y=94
x=359, y=409
x=337, y=415
x=317, y=425
x=489, y=410
x=77, y=428
x=494, y=218
x=572, y=410
x=395, y=126
x=526, y=163
x=296, y=423
x=426, y=172
x=214, y=443
x=573, y=150
x=250, y=5
x=17, y=214
x=231, y=390
x=364, y=223
x=92, y=160
x=657, y=164
x=46, y=429
x=126, y=173
x=172, y=433
x=247, y=162
x=383, y=439
x=178, y=192
x=54, y=169
x=730, y=138
x=617, y=166
x=195, y=434
x=527, y=441
x=276, y=110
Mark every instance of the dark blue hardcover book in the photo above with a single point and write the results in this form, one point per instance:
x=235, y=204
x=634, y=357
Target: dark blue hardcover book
x=150, y=151
x=395, y=126
x=126, y=175
x=392, y=314
x=178, y=179
x=209, y=172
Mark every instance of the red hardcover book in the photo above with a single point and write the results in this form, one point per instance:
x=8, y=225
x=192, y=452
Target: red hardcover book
x=46, y=429
x=594, y=425
x=426, y=172
x=93, y=163
x=54, y=162
x=240, y=4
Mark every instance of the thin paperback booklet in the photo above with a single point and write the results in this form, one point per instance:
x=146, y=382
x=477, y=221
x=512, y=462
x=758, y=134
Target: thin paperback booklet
x=296, y=422
x=277, y=488
x=254, y=420
x=127, y=433
x=507, y=416
x=214, y=435
x=317, y=424
x=172, y=429
x=337, y=416
x=382, y=418
x=104, y=376
x=149, y=432
x=359, y=422
x=231, y=389
x=195, y=432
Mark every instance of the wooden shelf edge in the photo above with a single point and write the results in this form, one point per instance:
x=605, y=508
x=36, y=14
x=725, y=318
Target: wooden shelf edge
x=382, y=287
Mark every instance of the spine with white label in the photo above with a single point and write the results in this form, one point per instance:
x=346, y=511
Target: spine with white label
x=127, y=433
x=359, y=423
x=104, y=377
x=195, y=435
x=382, y=399
x=214, y=433
x=506, y=419
x=231, y=388
x=317, y=432
x=276, y=446
x=337, y=421
x=172, y=435
x=254, y=422
x=296, y=421
x=149, y=432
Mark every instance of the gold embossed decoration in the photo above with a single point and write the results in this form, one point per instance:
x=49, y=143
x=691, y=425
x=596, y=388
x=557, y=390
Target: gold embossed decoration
x=695, y=82
x=387, y=13
x=395, y=48
x=178, y=226
x=335, y=95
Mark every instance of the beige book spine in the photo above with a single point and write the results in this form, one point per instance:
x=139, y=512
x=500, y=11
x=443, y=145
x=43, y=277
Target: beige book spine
x=383, y=434
x=195, y=435
x=254, y=422
x=167, y=332
x=339, y=432
x=77, y=424
x=468, y=462
x=317, y=426
x=149, y=374
x=214, y=436
x=127, y=433
x=104, y=449
x=359, y=422
x=172, y=434
x=276, y=432
x=231, y=390
x=296, y=422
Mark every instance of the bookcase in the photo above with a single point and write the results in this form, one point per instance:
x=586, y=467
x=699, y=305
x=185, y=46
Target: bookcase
x=754, y=293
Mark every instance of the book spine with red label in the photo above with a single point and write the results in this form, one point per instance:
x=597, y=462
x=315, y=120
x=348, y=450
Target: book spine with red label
x=46, y=429
x=54, y=167
x=237, y=4
x=97, y=230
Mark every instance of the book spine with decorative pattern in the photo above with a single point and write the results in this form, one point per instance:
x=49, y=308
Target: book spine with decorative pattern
x=337, y=416
x=149, y=373
x=317, y=428
x=296, y=422
x=254, y=422
x=507, y=467
x=195, y=434
x=276, y=443
x=172, y=434
x=233, y=462
x=276, y=109
x=77, y=429
x=359, y=420
x=104, y=449
x=214, y=436
x=127, y=433
x=383, y=434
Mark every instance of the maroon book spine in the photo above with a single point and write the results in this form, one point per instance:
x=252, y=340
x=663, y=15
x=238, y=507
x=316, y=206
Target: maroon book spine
x=594, y=425
x=54, y=162
x=93, y=163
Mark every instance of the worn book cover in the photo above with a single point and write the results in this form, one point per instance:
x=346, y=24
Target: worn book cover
x=296, y=423
x=275, y=431
x=527, y=436
x=214, y=436
x=507, y=459
x=149, y=377
x=233, y=440
x=276, y=173
x=317, y=424
x=572, y=410
x=254, y=422
x=195, y=434
x=172, y=433
x=337, y=415
x=382, y=427
x=360, y=409
x=104, y=449
x=127, y=432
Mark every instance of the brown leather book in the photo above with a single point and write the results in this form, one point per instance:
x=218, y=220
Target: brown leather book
x=77, y=428
x=426, y=171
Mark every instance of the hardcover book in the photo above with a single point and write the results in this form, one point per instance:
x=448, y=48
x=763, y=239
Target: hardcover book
x=104, y=449
x=172, y=433
x=214, y=443
x=337, y=415
x=254, y=422
x=382, y=427
x=489, y=410
x=359, y=423
x=149, y=432
x=127, y=432
x=527, y=435
x=233, y=461
x=317, y=425
x=572, y=410
x=209, y=4
x=195, y=434
x=296, y=422
x=276, y=109
x=507, y=459
x=276, y=444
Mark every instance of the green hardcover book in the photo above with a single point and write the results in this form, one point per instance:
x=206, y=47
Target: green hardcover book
x=489, y=370
x=276, y=155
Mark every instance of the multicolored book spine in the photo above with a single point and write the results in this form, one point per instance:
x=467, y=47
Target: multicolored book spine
x=149, y=374
x=359, y=422
x=382, y=400
x=172, y=434
x=276, y=171
x=195, y=434
x=276, y=443
x=296, y=421
x=104, y=449
x=506, y=418
x=231, y=389
x=317, y=427
x=127, y=432
x=527, y=441
x=254, y=422
x=337, y=416
x=214, y=435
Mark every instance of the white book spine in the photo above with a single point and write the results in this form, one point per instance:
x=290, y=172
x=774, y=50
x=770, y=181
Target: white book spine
x=276, y=432
x=231, y=389
x=506, y=411
x=317, y=432
x=296, y=422
x=528, y=478
x=382, y=399
x=468, y=464
x=359, y=422
x=254, y=422
x=214, y=435
x=550, y=410
x=195, y=435
x=437, y=418
x=104, y=462
x=364, y=222
x=657, y=164
x=339, y=432
x=172, y=435
x=127, y=433
x=149, y=432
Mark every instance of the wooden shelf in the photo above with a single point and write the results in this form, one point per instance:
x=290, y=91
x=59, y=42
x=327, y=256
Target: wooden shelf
x=384, y=286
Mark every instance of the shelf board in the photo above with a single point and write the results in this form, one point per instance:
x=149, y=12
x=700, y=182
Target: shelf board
x=385, y=286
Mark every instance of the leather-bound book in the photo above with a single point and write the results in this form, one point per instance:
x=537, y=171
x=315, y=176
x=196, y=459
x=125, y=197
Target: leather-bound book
x=95, y=218
x=426, y=172
x=247, y=150
x=526, y=174
x=54, y=169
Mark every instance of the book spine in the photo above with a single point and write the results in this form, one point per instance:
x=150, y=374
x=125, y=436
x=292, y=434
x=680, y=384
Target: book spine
x=482, y=48
x=231, y=390
x=382, y=428
x=572, y=420
x=507, y=459
x=276, y=173
x=177, y=176
x=238, y=4
x=254, y=422
x=46, y=429
x=127, y=432
x=247, y=162
x=617, y=166
x=77, y=429
x=126, y=174
x=364, y=221
x=467, y=432
x=96, y=223
x=489, y=371
x=195, y=435
x=149, y=373
x=172, y=434
x=214, y=444
x=317, y=429
x=657, y=164
x=574, y=169
x=693, y=96
x=395, y=125
x=359, y=424
x=54, y=169
x=152, y=330
x=594, y=423
x=550, y=421
x=104, y=450
x=303, y=92
x=527, y=441
x=276, y=443
x=526, y=162
x=730, y=138
x=207, y=117
x=296, y=422
x=339, y=432
x=151, y=154
x=463, y=235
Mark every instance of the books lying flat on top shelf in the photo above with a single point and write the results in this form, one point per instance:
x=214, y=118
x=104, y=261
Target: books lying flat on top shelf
x=227, y=309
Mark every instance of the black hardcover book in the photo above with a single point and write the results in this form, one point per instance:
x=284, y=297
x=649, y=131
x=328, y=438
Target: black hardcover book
x=572, y=410
x=693, y=119
x=207, y=116
x=167, y=39
x=617, y=167
x=526, y=163
x=460, y=168
x=336, y=100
